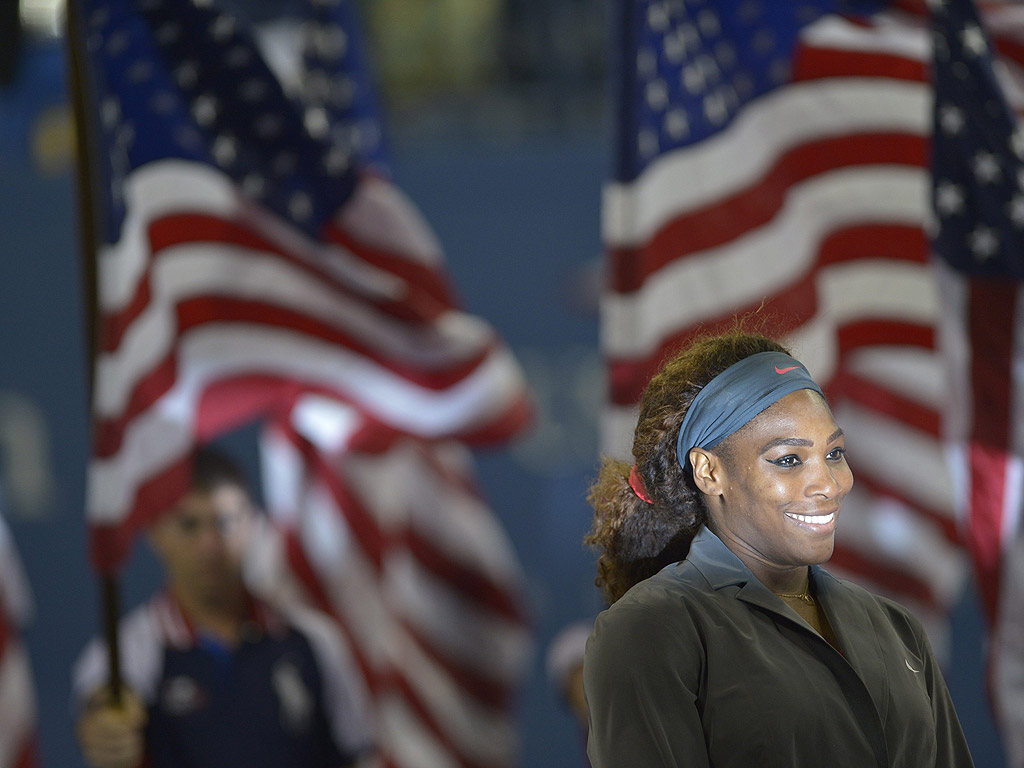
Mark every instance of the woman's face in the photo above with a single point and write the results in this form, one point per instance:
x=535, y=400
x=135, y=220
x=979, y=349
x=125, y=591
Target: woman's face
x=783, y=479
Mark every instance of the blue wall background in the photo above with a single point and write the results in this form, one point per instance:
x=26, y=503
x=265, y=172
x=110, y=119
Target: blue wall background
x=520, y=223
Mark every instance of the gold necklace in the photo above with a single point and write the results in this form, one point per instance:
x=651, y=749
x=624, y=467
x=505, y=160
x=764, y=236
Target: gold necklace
x=804, y=596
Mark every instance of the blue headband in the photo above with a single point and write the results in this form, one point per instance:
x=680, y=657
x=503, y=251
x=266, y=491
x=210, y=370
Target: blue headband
x=737, y=395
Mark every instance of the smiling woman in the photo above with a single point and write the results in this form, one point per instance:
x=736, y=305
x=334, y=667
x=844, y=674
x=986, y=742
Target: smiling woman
x=726, y=643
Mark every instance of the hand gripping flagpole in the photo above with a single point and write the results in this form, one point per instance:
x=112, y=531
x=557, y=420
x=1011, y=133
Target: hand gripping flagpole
x=85, y=149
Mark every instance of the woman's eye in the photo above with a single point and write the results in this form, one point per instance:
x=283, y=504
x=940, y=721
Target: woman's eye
x=787, y=461
x=836, y=454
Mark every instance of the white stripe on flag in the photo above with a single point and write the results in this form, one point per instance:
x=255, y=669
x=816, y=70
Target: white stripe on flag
x=886, y=35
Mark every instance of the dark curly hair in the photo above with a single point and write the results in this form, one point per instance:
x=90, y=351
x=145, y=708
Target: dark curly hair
x=635, y=539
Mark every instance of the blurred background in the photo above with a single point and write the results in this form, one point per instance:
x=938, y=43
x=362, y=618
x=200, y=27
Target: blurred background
x=497, y=117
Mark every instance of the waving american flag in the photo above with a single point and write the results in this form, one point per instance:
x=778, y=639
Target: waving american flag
x=257, y=259
x=249, y=253
x=978, y=197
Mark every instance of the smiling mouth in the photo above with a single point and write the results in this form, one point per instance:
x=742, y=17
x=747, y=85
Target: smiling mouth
x=813, y=519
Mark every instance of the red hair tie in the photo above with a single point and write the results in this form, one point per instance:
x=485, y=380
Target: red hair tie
x=637, y=484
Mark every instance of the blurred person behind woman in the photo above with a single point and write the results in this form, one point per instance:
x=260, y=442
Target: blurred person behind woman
x=214, y=675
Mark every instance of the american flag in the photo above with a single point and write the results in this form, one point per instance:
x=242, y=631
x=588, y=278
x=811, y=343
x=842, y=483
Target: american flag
x=18, y=728
x=978, y=197
x=250, y=254
x=259, y=262
x=776, y=154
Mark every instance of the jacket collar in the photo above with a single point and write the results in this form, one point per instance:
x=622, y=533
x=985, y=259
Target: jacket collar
x=716, y=562
x=724, y=570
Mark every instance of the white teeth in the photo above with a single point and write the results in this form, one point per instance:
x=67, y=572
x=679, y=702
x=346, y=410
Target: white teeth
x=814, y=519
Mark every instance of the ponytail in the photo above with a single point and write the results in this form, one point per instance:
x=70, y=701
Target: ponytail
x=635, y=539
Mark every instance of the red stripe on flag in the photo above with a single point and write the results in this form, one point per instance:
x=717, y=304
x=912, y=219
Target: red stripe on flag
x=113, y=326
x=877, y=241
x=885, y=331
x=992, y=312
x=302, y=568
x=109, y=433
x=233, y=401
x=512, y=420
x=299, y=565
x=993, y=307
x=987, y=470
x=815, y=63
x=372, y=541
x=1010, y=48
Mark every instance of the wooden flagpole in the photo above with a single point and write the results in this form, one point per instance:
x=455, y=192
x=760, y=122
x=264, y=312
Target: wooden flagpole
x=87, y=219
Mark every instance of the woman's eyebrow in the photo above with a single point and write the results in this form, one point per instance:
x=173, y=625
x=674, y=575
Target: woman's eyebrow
x=799, y=441
x=786, y=441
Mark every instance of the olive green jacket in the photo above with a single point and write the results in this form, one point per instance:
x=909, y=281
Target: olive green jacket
x=703, y=666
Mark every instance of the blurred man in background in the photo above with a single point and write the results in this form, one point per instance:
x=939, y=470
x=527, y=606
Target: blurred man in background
x=214, y=676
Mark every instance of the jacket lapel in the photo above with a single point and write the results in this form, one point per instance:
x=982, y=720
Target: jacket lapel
x=855, y=633
x=859, y=669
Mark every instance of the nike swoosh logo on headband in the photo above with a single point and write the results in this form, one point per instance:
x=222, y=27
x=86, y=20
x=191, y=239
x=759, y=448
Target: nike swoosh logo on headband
x=786, y=370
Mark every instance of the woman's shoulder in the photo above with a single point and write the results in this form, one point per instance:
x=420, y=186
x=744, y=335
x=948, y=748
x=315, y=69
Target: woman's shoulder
x=665, y=601
x=657, y=619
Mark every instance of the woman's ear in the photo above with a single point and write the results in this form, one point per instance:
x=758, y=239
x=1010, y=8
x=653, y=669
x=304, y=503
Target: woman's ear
x=707, y=471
